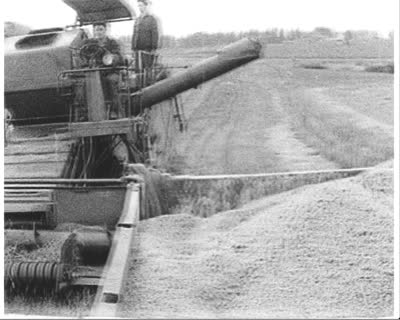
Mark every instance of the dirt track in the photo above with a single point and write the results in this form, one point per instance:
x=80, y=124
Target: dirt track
x=241, y=125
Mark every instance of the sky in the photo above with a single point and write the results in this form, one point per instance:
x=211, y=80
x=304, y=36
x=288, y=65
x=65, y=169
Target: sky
x=182, y=17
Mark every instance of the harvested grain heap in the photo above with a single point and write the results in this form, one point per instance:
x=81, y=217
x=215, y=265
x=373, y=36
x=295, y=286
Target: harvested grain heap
x=318, y=251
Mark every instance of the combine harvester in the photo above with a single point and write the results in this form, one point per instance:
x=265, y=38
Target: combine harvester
x=67, y=162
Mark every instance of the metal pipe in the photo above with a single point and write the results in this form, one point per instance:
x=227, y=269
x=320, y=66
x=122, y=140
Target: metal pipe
x=64, y=187
x=230, y=57
x=264, y=175
x=123, y=180
x=86, y=70
x=81, y=24
x=63, y=181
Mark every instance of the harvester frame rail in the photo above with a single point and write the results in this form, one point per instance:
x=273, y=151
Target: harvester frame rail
x=85, y=70
x=261, y=175
x=81, y=24
x=57, y=181
x=57, y=186
x=109, y=295
x=102, y=128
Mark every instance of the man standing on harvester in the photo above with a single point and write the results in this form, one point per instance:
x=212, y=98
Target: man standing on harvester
x=145, y=40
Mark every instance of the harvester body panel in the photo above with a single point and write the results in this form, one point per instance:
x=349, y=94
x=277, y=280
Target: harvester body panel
x=32, y=64
x=33, y=61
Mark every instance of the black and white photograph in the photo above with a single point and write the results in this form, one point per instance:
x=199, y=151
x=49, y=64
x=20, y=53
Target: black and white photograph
x=200, y=159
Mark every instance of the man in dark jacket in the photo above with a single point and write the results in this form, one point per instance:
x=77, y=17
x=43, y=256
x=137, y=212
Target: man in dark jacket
x=145, y=38
x=102, y=51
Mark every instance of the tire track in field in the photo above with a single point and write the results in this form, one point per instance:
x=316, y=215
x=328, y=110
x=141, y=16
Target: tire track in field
x=225, y=132
x=293, y=153
x=240, y=124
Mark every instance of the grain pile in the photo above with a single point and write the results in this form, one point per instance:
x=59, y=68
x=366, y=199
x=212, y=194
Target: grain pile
x=321, y=251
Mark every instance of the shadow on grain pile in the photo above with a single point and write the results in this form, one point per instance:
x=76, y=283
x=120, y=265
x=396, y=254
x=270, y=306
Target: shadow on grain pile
x=322, y=250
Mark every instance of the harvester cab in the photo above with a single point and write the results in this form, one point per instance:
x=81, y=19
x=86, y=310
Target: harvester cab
x=103, y=86
x=100, y=77
x=101, y=60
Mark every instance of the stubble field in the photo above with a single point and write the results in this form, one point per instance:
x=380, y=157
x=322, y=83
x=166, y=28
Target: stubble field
x=286, y=114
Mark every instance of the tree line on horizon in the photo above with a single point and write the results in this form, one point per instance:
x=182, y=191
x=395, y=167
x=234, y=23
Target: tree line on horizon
x=203, y=39
x=269, y=36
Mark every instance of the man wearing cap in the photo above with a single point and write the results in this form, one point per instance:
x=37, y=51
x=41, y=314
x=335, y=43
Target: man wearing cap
x=145, y=38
